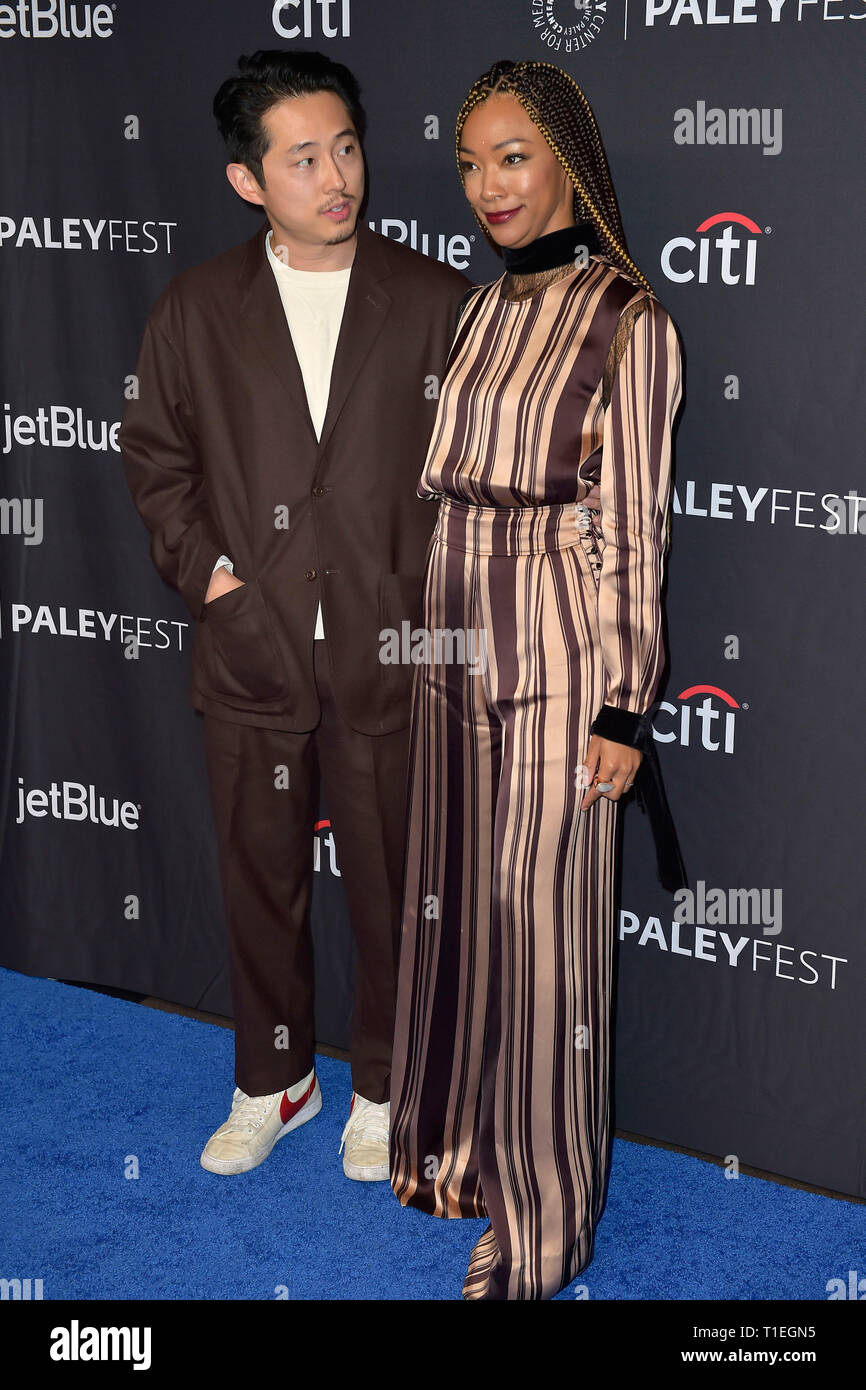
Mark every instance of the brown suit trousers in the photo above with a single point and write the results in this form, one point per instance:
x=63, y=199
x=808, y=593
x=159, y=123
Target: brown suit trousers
x=265, y=789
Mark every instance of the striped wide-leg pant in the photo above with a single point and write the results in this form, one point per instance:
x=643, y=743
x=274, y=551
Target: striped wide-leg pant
x=500, y=1079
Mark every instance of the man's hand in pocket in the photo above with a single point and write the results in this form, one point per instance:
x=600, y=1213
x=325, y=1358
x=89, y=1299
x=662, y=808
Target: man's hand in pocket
x=222, y=581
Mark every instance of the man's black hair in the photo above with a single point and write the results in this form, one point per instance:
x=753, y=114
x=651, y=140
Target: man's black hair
x=266, y=78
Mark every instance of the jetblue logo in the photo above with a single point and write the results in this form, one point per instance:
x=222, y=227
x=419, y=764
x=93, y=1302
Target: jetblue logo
x=454, y=250
x=56, y=19
x=58, y=427
x=75, y=801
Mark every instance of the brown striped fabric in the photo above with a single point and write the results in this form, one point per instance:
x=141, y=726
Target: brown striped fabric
x=500, y=1081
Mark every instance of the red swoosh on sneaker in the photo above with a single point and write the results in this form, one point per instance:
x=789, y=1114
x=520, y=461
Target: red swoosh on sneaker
x=290, y=1108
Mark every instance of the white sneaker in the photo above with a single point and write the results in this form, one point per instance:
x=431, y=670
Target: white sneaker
x=366, y=1139
x=256, y=1123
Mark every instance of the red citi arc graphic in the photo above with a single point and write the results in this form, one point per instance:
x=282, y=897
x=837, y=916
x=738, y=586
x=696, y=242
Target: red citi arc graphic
x=709, y=690
x=728, y=217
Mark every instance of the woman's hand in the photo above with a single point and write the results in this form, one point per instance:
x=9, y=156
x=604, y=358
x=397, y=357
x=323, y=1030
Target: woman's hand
x=607, y=762
x=593, y=498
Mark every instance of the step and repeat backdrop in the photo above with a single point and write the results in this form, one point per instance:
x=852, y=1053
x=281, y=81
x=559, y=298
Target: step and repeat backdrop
x=732, y=129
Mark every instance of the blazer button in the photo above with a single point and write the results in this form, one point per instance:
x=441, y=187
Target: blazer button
x=319, y=491
x=310, y=574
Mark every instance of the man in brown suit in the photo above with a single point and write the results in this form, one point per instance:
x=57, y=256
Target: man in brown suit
x=287, y=396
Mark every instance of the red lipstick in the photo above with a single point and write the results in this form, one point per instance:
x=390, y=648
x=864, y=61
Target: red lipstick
x=497, y=218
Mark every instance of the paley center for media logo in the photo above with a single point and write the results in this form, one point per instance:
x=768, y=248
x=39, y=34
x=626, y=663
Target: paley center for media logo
x=308, y=19
x=730, y=256
x=711, y=724
x=567, y=26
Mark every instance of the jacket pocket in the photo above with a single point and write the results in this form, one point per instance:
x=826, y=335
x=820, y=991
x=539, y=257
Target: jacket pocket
x=238, y=654
x=401, y=599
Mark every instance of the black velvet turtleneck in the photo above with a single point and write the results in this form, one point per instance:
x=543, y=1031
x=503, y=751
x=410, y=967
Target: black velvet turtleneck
x=553, y=249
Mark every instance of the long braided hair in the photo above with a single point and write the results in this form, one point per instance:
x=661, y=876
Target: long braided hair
x=556, y=105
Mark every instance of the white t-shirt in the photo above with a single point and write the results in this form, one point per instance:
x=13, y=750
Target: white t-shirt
x=314, y=301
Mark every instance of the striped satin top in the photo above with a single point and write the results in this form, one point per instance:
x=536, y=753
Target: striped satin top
x=522, y=423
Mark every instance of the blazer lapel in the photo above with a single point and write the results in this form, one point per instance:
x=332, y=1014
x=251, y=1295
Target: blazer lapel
x=367, y=307
x=263, y=320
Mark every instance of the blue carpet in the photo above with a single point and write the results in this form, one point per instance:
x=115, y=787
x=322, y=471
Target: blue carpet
x=93, y=1080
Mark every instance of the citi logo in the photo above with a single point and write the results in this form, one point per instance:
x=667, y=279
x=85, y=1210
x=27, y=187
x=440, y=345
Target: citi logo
x=455, y=250
x=328, y=841
x=75, y=801
x=737, y=126
x=735, y=262
x=293, y=19
x=51, y=19
x=684, y=724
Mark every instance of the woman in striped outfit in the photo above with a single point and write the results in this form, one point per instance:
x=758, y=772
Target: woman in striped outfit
x=565, y=372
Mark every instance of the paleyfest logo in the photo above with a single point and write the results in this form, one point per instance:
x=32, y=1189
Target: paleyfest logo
x=709, y=12
x=567, y=26
x=730, y=256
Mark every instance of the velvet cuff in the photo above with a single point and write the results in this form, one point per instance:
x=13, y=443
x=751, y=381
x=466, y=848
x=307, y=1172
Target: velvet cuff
x=635, y=730
x=623, y=726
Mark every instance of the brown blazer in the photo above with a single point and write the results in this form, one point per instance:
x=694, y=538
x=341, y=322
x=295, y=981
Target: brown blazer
x=221, y=458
